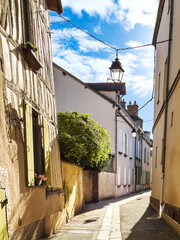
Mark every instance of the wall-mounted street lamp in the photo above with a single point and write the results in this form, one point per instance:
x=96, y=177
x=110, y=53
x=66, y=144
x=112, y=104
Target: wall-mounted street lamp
x=134, y=133
x=116, y=70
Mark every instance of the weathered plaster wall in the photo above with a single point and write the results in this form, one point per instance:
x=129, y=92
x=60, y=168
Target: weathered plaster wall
x=106, y=185
x=72, y=176
x=172, y=164
x=88, y=185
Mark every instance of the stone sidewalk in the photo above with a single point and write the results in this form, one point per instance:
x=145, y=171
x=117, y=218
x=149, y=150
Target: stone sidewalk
x=128, y=217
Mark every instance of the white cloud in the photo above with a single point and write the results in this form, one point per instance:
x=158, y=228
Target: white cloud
x=103, y=8
x=84, y=42
x=56, y=19
x=140, y=85
x=133, y=43
x=86, y=68
x=127, y=12
x=97, y=29
x=94, y=69
x=133, y=12
x=72, y=51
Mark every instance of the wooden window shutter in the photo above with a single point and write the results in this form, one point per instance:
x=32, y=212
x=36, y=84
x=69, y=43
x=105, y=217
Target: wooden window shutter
x=144, y=155
x=29, y=150
x=129, y=177
x=46, y=152
x=3, y=223
x=124, y=143
x=120, y=141
x=131, y=148
x=127, y=151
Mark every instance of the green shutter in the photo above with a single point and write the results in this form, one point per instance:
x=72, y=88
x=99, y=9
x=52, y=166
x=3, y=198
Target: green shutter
x=144, y=155
x=3, y=223
x=29, y=145
x=46, y=152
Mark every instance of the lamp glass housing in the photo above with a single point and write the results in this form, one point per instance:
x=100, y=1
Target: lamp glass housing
x=134, y=134
x=116, y=71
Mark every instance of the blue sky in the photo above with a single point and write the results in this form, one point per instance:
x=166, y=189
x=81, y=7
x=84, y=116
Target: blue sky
x=121, y=23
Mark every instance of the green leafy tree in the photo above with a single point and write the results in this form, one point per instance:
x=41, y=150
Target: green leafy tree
x=83, y=141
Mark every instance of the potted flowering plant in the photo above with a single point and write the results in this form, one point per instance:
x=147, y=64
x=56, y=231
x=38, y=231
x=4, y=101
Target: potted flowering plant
x=40, y=179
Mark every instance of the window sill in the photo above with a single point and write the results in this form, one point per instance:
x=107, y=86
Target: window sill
x=52, y=191
x=109, y=170
x=32, y=60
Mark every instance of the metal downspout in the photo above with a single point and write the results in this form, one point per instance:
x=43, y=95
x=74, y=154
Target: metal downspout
x=142, y=175
x=116, y=110
x=166, y=104
x=135, y=171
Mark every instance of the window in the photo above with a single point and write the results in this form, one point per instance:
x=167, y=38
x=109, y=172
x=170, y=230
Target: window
x=147, y=157
x=118, y=175
x=140, y=149
x=111, y=162
x=156, y=152
x=131, y=149
x=129, y=177
x=37, y=147
x=172, y=118
x=125, y=176
x=144, y=155
x=39, y=167
x=125, y=144
x=120, y=147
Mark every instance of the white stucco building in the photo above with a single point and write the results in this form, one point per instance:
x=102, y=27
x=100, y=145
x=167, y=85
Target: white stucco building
x=102, y=101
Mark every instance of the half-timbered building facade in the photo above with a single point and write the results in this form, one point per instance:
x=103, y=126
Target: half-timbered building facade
x=30, y=171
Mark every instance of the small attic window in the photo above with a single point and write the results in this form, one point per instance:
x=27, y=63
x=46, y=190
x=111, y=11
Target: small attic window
x=64, y=73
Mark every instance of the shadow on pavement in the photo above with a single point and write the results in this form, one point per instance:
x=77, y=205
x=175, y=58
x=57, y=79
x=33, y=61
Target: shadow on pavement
x=149, y=227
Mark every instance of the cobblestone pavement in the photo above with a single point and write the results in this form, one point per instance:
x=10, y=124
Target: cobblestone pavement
x=128, y=217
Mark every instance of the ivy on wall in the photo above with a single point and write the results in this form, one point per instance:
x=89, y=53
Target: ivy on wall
x=83, y=141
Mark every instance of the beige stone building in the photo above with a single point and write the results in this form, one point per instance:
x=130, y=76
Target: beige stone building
x=31, y=199
x=166, y=151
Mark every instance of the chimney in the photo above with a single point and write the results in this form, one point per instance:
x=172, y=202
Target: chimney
x=132, y=109
x=123, y=104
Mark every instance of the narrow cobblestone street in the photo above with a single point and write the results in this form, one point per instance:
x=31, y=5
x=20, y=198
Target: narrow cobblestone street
x=128, y=217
